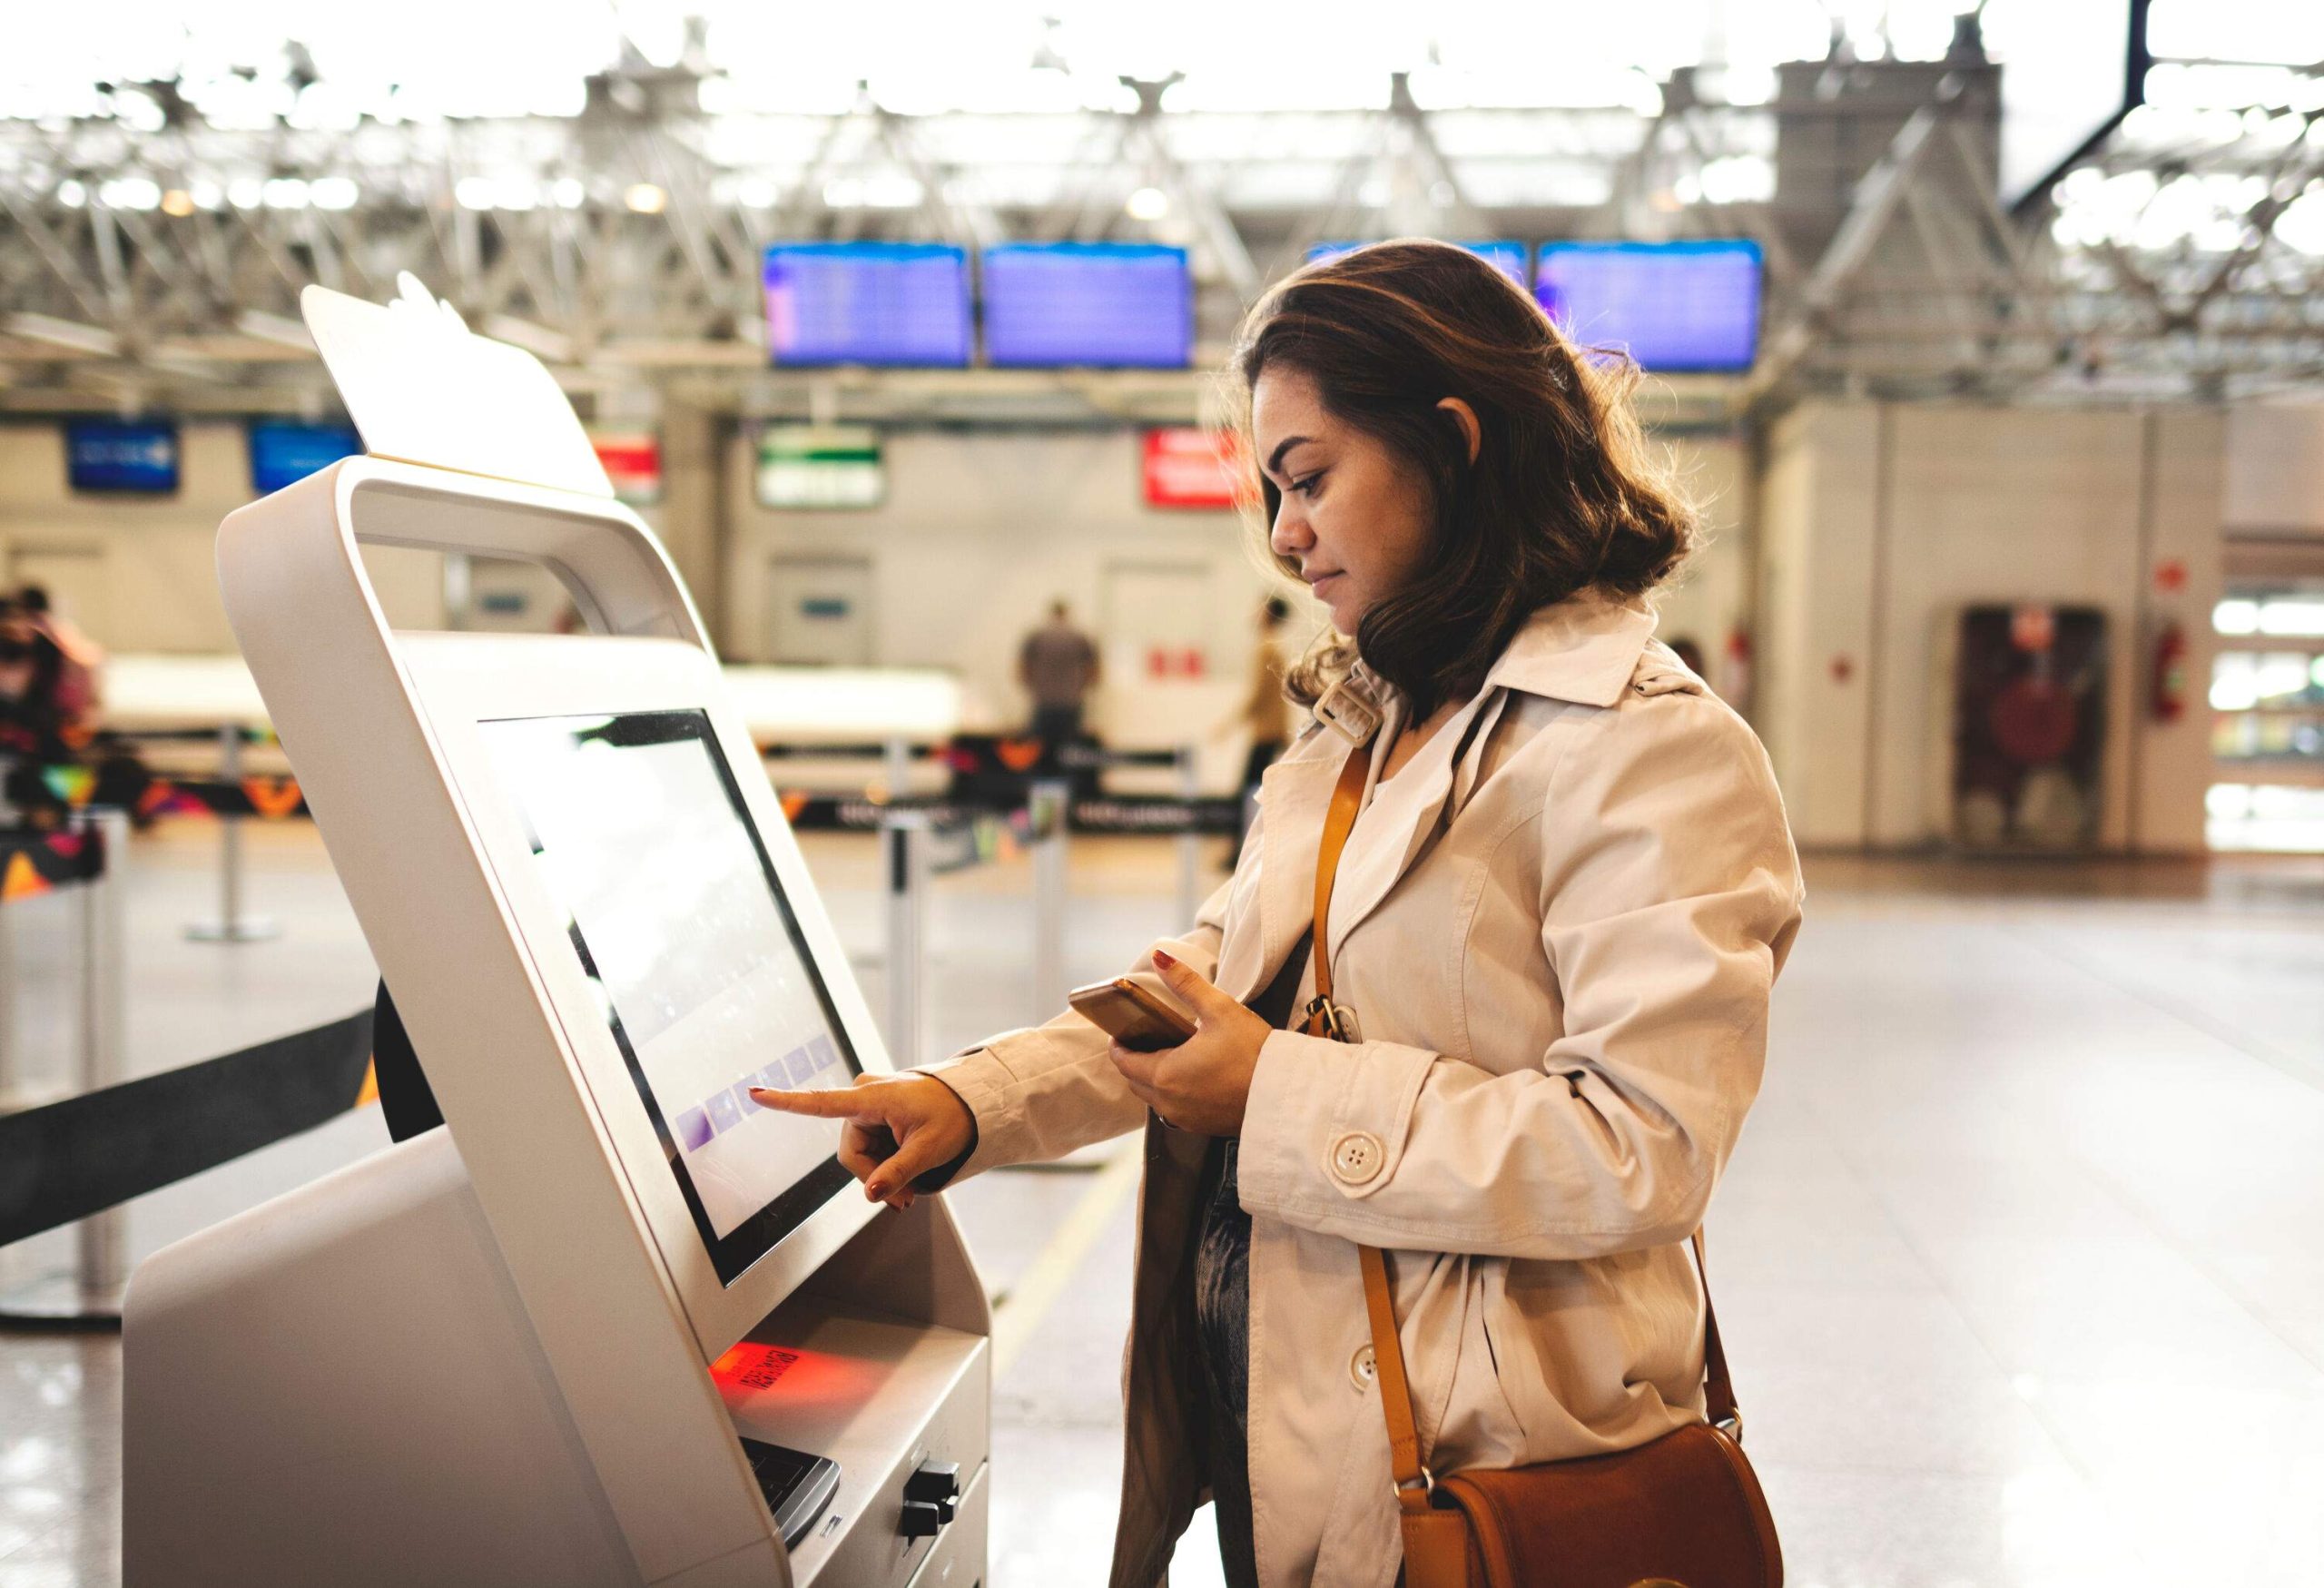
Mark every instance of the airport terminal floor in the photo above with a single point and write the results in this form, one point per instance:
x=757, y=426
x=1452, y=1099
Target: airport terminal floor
x=2017, y=1261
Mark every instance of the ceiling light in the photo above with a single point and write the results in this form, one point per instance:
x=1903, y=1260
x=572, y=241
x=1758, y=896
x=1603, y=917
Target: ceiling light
x=1147, y=203
x=645, y=198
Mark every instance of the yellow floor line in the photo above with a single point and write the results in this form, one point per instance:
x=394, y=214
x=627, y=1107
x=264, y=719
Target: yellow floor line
x=1045, y=1278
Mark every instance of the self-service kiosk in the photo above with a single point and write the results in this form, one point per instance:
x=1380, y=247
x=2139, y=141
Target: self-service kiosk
x=615, y=1324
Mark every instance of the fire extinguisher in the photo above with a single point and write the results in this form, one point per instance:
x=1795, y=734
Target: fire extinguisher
x=2167, y=700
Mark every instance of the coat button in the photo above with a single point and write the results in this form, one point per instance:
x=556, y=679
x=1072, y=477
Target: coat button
x=1363, y=1368
x=1357, y=1158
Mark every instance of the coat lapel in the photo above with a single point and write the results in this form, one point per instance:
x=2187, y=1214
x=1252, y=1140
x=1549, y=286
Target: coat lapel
x=1402, y=817
x=1293, y=795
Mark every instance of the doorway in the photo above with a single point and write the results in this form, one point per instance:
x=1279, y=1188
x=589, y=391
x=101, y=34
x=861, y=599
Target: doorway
x=1159, y=622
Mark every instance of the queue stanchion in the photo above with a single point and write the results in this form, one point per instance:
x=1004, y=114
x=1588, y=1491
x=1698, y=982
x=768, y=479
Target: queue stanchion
x=1189, y=845
x=89, y=1296
x=105, y=949
x=232, y=925
x=1048, y=802
x=10, y=1082
x=903, y=846
x=895, y=757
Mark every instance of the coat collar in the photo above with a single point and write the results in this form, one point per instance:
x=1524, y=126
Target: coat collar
x=1584, y=649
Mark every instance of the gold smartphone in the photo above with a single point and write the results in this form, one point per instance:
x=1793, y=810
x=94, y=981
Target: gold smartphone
x=1131, y=1015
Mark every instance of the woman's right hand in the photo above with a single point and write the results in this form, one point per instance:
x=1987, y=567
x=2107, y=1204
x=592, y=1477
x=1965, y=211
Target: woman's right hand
x=897, y=1128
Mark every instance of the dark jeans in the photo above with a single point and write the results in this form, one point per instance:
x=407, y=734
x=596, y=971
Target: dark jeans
x=1056, y=724
x=1222, y=1321
x=1260, y=755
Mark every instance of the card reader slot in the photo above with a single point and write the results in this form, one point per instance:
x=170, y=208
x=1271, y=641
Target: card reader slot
x=797, y=1486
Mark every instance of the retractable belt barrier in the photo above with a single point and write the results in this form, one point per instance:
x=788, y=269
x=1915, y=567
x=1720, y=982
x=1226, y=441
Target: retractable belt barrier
x=85, y=1154
x=34, y=860
x=1158, y=813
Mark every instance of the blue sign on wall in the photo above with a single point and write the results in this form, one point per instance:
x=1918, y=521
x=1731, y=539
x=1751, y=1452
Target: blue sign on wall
x=121, y=455
x=1674, y=306
x=285, y=451
x=1507, y=257
x=1125, y=305
x=867, y=303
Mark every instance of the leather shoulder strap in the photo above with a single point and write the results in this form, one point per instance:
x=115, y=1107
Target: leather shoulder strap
x=1718, y=1389
x=1348, y=795
x=1413, y=1480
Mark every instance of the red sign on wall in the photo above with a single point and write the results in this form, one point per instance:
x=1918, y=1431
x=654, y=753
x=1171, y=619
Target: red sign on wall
x=1188, y=466
x=633, y=463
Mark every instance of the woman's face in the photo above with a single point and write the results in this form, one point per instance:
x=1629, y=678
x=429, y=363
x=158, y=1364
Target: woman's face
x=1352, y=517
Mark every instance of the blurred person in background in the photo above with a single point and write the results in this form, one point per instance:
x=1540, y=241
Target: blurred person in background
x=31, y=725
x=1264, y=715
x=80, y=664
x=1058, y=665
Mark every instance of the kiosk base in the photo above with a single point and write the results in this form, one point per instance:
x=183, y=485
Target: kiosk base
x=343, y=1386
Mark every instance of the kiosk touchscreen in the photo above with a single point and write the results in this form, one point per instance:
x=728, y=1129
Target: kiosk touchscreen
x=638, y=831
x=615, y=1324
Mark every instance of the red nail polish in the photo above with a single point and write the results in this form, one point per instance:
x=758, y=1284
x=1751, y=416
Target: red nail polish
x=1163, y=959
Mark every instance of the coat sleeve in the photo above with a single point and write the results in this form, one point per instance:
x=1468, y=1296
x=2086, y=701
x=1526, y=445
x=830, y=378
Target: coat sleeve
x=1670, y=895
x=1040, y=1092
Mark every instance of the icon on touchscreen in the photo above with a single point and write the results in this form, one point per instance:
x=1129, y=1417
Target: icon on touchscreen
x=694, y=1130
x=723, y=1115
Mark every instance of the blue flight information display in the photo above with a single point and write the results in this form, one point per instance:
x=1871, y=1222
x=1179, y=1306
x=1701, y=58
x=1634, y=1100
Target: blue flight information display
x=1507, y=257
x=895, y=303
x=1124, y=305
x=135, y=456
x=285, y=451
x=1674, y=306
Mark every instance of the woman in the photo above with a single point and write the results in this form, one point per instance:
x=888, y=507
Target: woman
x=1556, y=923
x=1263, y=717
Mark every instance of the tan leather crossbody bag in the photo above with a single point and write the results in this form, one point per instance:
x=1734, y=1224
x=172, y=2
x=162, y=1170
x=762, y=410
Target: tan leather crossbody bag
x=1684, y=1508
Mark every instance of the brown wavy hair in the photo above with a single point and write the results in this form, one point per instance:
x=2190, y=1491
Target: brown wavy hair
x=1563, y=496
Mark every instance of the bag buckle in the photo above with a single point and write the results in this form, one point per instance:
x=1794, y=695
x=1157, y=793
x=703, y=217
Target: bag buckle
x=1731, y=1425
x=1338, y=1020
x=1344, y=709
x=1425, y=1482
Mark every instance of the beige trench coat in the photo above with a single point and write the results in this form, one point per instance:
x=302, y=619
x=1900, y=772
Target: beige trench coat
x=1558, y=926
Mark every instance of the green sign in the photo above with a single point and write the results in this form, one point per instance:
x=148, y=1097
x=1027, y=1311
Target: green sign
x=821, y=466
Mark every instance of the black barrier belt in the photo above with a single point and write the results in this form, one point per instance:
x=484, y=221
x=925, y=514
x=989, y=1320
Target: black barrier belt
x=94, y=1151
x=1162, y=816
x=982, y=756
x=191, y=735
x=33, y=860
x=125, y=785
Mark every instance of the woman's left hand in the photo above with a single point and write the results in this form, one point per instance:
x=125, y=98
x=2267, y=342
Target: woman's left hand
x=1202, y=1084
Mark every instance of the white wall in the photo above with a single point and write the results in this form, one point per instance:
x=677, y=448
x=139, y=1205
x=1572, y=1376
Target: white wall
x=153, y=565
x=1881, y=523
x=1817, y=493
x=979, y=530
x=1714, y=597
x=2275, y=469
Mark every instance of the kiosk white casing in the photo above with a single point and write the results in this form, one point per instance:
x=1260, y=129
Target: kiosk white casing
x=504, y=1353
